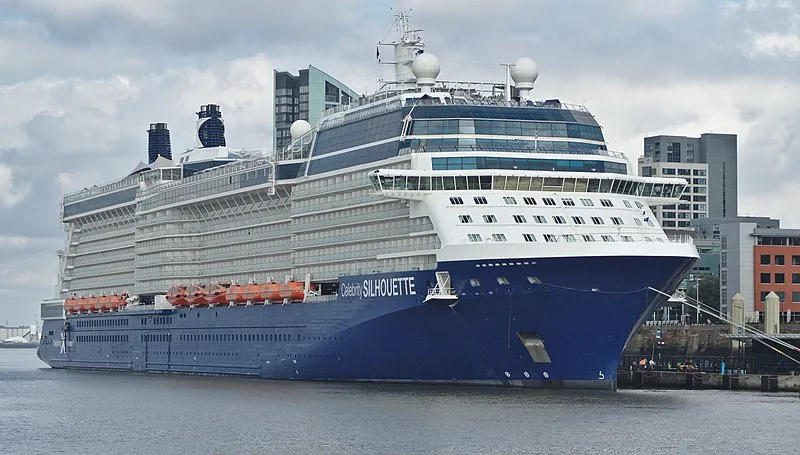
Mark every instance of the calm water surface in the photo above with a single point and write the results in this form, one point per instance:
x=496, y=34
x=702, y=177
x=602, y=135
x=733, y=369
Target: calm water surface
x=51, y=411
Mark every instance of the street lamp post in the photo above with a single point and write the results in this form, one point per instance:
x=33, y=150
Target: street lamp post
x=697, y=296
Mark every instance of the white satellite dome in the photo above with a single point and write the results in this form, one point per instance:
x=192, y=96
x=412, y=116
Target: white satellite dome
x=426, y=68
x=524, y=72
x=299, y=128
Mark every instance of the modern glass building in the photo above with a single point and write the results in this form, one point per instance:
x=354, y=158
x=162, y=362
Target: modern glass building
x=708, y=163
x=304, y=97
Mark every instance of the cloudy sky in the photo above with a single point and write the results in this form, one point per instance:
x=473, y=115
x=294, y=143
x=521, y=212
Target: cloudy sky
x=81, y=79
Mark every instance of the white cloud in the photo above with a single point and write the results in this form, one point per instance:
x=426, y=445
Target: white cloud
x=12, y=192
x=774, y=44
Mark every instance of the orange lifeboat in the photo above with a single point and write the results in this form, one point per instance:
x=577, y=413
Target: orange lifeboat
x=272, y=291
x=104, y=303
x=235, y=294
x=116, y=301
x=216, y=293
x=91, y=304
x=177, y=296
x=293, y=290
x=73, y=305
x=196, y=295
x=253, y=293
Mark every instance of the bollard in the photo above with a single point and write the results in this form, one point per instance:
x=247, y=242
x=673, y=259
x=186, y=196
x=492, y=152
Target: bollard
x=638, y=380
x=765, y=383
x=726, y=382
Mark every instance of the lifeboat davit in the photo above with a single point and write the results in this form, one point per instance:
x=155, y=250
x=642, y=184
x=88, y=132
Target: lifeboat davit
x=177, y=296
x=196, y=295
x=216, y=293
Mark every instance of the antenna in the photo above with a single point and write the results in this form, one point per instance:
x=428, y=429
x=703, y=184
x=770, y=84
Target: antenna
x=508, y=80
x=406, y=48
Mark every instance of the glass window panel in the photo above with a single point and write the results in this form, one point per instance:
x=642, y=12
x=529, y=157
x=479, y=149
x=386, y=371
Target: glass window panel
x=473, y=183
x=629, y=187
x=498, y=127
x=413, y=183
x=461, y=182
x=559, y=129
x=437, y=183
x=581, y=184
x=486, y=182
x=647, y=191
x=616, y=188
x=594, y=185
x=657, y=187
x=553, y=183
x=605, y=185
x=425, y=183
x=511, y=182
x=528, y=129
x=449, y=183
x=482, y=127
x=499, y=182
x=513, y=129
x=466, y=126
x=524, y=183
x=569, y=184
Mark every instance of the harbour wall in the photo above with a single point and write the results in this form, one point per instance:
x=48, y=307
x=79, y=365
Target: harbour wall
x=644, y=379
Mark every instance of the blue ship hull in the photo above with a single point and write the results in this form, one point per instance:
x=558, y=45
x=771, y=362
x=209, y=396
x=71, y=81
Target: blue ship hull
x=582, y=310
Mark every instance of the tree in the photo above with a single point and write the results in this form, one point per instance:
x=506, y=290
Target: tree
x=709, y=295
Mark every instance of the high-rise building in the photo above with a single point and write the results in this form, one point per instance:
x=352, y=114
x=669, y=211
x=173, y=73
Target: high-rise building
x=305, y=97
x=708, y=163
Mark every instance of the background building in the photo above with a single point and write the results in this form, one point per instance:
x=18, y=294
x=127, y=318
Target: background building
x=757, y=257
x=708, y=163
x=304, y=97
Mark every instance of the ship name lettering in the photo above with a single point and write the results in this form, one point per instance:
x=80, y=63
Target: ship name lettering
x=389, y=287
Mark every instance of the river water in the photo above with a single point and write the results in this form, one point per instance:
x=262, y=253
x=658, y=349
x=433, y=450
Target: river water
x=52, y=411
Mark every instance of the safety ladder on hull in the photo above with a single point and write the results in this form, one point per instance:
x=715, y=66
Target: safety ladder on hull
x=443, y=292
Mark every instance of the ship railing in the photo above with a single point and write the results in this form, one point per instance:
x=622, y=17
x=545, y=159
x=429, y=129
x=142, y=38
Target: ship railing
x=462, y=92
x=235, y=167
x=481, y=148
x=131, y=180
x=321, y=298
x=436, y=290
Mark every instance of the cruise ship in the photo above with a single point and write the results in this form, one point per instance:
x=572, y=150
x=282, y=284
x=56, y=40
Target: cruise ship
x=433, y=232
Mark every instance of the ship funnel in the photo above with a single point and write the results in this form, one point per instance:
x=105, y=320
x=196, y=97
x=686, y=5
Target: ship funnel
x=210, y=128
x=524, y=72
x=426, y=67
x=158, y=142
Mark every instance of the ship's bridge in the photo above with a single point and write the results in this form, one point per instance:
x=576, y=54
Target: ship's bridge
x=415, y=184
